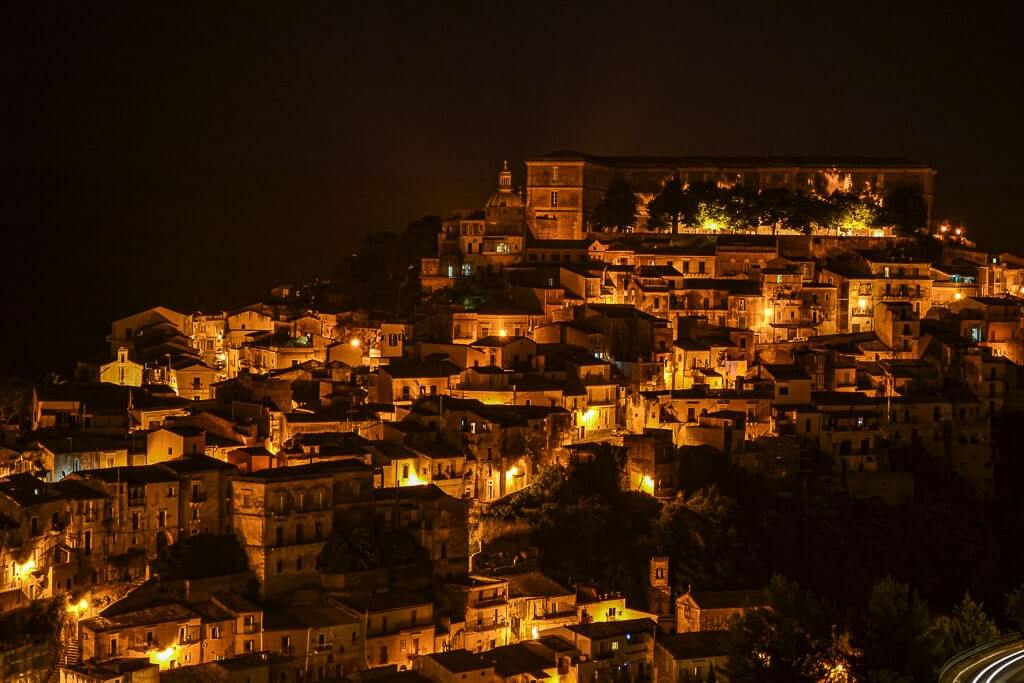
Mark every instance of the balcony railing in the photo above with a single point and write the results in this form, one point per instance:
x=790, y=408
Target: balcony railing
x=559, y=614
x=486, y=625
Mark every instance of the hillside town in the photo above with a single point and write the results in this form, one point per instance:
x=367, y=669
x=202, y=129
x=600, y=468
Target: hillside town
x=494, y=448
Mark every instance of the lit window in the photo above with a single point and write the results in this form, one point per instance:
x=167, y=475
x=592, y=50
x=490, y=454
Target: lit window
x=554, y=199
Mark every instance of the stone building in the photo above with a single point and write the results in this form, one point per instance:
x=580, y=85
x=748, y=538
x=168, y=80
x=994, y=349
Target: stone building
x=713, y=610
x=143, y=513
x=399, y=627
x=563, y=187
x=283, y=517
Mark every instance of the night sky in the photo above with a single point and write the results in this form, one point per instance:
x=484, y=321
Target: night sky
x=153, y=154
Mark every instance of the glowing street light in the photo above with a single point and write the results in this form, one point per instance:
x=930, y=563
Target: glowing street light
x=23, y=570
x=77, y=607
x=354, y=341
x=163, y=657
x=647, y=484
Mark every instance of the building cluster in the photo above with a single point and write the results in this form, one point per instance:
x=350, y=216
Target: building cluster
x=351, y=458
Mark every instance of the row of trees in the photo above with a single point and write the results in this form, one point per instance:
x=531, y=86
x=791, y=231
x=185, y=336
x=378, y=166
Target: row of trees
x=893, y=638
x=706, y=205
x=729, y=532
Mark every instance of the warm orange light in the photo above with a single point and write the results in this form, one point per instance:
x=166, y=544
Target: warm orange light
x=957, y=296
x=23, y=570
x=503, y=333
x=414, y=479
x=354, y=341
x=163, y=657
x=647, y=484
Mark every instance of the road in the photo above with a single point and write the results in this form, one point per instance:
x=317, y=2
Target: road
x=1002, y=665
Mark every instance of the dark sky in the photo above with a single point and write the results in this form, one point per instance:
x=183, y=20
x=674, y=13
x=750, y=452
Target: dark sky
x=158, y=154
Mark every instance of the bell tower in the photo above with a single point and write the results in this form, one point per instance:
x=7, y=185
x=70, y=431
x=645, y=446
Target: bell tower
x=659, y=590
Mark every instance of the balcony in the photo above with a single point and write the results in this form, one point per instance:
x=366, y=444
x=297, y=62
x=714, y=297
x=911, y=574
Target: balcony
x=558, y=614
x=900, y=294
x=490, y=602
x=487, y=625
x=251, y=628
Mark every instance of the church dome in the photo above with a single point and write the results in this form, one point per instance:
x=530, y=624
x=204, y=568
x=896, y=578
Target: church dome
x=504, y=198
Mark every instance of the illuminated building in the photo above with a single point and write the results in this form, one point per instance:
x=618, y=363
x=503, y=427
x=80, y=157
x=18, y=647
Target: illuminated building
x=283, y=517
x=122, y=371
x=563, y=187
x=399, y=627
x=714, y=610
x=478, y=610
x=613, y=649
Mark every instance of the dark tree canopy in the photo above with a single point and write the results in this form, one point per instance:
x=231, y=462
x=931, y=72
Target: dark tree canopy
x=201, y=556
x=1015, y=607
x=668, y=206
x=617, y=210
x=382, y=274
x=367, y=548
x=965, y=628
x=15, y=399
x=793, y=640
x=905, y=209
x=896, y=635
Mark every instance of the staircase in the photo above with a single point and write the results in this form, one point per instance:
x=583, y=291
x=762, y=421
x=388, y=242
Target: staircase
x=70, y=653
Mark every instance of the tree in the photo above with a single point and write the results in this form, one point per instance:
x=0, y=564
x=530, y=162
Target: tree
x=967, y=627
x=668, y=207
x=847, y=212
x=896, y=635
x=699, y=534
x=15, y=399
x=905, y=209
x=793, y=639
x=201, y=556
x=617, y=209
x=776, y=207
x=1015, y=607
